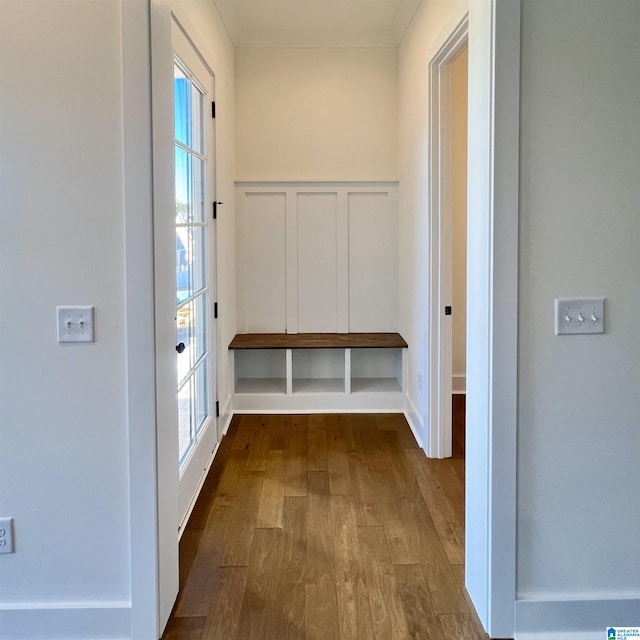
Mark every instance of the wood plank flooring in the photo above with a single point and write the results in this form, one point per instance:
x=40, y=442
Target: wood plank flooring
x=326, y=527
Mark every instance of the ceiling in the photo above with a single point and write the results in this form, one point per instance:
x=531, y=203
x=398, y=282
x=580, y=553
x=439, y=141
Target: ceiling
x=317, y=23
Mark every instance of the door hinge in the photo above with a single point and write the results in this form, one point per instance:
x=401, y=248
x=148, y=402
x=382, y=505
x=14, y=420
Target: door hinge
x=215, y=310
x=213, y=109
x=447, y=310
x=217, y=408
x=215, y=209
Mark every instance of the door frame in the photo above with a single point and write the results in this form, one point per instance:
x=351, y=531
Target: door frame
x=441, y=241
x=492, y=30
x=494, y=48
x=163, y=236
x=140, y=316
x=492, y=311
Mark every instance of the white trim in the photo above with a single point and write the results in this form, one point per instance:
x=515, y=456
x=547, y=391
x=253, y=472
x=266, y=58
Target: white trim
x=164, y=244
x=553, y=635
x=291, y=268
x=342, y=260
x=347, y=371
x=504, y=318
x=565, y=619
x=226, y=415
x=196, y=493
x=492, y=298
x=77, y=621
x=413, y=418
x=142, y=617
x=181, y=17
x=311, y=184
x=440, y=241
x=362, y=402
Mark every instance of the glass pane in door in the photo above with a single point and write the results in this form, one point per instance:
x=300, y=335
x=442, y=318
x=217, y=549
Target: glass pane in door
x=192, y=285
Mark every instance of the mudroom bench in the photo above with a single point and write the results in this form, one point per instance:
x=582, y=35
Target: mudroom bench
x=318, y=371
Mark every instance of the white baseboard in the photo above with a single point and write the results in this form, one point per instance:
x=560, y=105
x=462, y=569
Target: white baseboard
x=574, y=619
x=62, y=621
x=226, y=415
x=413, y=418
x=318, y=403
x=553, y=635
x=458, y=383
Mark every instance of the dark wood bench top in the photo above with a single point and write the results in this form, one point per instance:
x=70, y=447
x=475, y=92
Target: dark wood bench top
x=318, y=341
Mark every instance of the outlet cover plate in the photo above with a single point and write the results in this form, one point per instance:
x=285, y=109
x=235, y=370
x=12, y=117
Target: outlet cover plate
x=6, y=535
x=579, y=316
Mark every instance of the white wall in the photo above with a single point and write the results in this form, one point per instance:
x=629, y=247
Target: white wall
x=316, y=114
x=459, y=77
x=578, y=435
x=64, y=467
x=67, y=443
x=432, y=24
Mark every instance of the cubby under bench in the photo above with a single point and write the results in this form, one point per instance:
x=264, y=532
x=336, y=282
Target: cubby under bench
x=319, y=371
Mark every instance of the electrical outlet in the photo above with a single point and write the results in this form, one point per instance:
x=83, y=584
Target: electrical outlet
x=6, y=535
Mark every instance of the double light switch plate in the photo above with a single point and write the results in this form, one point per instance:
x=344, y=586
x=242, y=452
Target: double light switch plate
x=75, y=324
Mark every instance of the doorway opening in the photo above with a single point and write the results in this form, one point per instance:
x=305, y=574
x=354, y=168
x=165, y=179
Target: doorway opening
x=448, y=247
x=459, y=119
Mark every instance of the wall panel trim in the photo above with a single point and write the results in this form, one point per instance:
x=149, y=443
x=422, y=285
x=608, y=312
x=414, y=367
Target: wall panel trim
x=352, y=287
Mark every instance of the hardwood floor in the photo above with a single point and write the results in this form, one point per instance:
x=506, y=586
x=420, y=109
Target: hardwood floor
x=326, y=527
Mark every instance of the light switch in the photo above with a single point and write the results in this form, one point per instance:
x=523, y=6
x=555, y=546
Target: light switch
x=579, y=315
x=75, y=324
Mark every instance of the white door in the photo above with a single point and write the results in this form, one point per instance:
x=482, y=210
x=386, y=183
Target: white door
x=193, y=86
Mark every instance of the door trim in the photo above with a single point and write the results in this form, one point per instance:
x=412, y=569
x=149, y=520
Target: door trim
x=492, y=311
x=440, y=241
x=140, y=316
x=163, y=236
x=492, y=294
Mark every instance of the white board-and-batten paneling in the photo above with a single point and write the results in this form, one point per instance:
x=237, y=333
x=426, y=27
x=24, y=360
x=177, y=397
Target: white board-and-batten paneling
x=373, y=262
x=317, y=257
x=317, y=217
x=262, y=270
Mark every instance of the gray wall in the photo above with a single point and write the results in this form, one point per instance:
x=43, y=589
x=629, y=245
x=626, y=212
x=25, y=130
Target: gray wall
x=579, y=396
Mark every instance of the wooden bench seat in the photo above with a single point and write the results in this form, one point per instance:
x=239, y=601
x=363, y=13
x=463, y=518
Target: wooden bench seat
x=318, y=341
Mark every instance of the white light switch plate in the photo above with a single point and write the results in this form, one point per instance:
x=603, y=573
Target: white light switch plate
x=579, y=316
x=75, y=324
